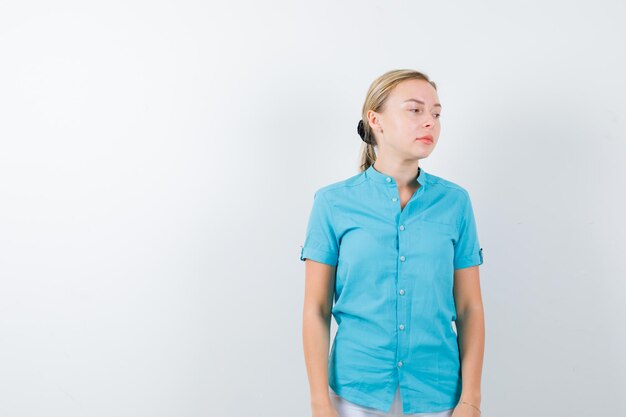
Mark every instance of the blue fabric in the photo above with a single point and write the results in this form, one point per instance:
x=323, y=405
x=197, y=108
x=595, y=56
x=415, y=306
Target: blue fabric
x=394, y=303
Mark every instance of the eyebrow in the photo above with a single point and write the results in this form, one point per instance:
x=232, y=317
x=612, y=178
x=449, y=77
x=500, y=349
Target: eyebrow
x=421, y=102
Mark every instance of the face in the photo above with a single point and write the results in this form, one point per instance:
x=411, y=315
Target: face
x=411, y=112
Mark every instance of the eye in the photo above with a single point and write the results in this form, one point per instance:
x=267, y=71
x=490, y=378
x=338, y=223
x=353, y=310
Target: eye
x=437, y=115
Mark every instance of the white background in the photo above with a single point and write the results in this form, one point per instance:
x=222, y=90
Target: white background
x=158, y=162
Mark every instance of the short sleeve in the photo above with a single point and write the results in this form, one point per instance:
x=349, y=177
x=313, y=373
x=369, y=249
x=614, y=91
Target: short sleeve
x=467, y=250
x=320, y=242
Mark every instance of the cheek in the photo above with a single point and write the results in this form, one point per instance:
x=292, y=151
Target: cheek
x=413, y=125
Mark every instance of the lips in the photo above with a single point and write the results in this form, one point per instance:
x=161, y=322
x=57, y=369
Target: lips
x=427, y=138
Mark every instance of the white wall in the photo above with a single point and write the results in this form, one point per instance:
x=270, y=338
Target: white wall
x=158, y=162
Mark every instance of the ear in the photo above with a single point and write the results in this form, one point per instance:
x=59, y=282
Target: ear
x=374, y=120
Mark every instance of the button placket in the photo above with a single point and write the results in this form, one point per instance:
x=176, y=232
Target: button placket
x=402, y=304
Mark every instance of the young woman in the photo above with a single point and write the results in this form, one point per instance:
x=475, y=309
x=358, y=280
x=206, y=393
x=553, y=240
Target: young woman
x=397, y=249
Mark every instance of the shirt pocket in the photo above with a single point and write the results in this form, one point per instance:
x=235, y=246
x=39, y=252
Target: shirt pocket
x=436, y=222
x=434, y=241
x=436, y=229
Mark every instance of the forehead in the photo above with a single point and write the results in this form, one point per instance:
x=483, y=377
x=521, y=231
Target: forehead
x=416, y=89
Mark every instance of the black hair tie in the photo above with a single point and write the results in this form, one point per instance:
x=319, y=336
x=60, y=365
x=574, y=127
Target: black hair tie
x=361, y=132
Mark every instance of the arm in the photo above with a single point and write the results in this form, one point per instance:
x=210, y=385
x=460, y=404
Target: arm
x=318, y=298
x=471, y=331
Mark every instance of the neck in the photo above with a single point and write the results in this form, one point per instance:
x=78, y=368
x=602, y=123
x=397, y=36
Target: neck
x=405, y=174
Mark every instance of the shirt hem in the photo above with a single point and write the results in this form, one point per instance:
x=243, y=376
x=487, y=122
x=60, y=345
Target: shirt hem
x=360, y=398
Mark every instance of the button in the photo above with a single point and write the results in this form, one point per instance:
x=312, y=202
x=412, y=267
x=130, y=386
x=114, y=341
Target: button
x=394, y=199
x=388, y=179
x=401, y=292
x=401, y=227
x=402, y=327
x=400, y=363
x=402, y=258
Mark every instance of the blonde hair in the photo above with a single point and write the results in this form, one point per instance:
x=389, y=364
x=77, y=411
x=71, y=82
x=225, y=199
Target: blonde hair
x=375, y=99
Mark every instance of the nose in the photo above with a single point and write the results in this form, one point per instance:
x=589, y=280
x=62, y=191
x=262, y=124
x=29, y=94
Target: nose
x=429, y=122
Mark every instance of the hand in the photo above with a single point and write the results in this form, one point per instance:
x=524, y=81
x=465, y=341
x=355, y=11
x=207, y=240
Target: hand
x=465, y=410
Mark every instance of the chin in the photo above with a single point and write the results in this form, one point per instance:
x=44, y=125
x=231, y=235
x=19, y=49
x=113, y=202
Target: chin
x=425, y=153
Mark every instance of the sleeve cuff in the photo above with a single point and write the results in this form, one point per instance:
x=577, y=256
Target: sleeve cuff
x=318, y=255
x=472, y=260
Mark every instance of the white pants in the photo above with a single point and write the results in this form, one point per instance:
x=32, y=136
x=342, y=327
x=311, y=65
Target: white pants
x=347, y=408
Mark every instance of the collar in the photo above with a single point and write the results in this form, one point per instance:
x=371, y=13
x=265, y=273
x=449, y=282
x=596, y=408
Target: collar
x=377, y=176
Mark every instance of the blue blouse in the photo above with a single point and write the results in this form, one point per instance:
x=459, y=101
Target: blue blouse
x=393, y=299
